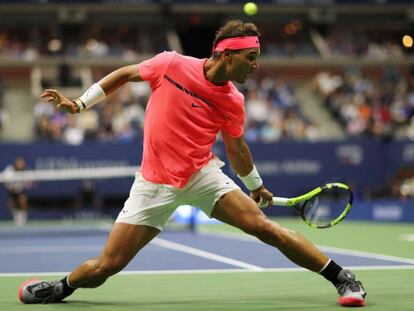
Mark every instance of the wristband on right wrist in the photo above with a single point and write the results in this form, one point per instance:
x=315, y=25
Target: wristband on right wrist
x=252, y=181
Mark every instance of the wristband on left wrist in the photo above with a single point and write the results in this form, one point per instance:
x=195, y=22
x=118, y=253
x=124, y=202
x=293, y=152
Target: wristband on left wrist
x=92, y=96
x=79, y=104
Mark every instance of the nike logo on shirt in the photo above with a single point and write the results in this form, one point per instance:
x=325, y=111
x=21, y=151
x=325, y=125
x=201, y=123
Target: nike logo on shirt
x=196, y=106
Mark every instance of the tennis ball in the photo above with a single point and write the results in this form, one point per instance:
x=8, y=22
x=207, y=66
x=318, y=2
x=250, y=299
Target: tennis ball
x=250, y=8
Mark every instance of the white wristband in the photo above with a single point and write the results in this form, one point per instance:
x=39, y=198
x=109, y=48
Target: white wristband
x=252, y=181
x=92, y=96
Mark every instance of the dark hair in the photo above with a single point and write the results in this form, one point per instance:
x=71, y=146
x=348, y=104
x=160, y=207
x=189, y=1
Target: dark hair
x=234, y=28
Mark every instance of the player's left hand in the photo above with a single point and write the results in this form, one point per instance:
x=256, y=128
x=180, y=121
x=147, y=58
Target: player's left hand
x=61, y=101
x=262, y=196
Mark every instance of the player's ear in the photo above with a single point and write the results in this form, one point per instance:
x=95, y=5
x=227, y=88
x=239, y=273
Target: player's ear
x=226, y=54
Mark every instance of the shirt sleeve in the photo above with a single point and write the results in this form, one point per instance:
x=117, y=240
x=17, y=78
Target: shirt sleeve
x=234, y=125
x=234, y=129
x=154, y=68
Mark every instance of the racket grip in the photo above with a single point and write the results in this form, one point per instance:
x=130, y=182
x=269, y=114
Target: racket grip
x=280, y=201
x=276, y=201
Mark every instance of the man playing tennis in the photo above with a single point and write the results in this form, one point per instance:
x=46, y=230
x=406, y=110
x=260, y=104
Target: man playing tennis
x=192, y=101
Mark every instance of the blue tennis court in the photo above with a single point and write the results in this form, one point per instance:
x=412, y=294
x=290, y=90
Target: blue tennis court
x=49, y=251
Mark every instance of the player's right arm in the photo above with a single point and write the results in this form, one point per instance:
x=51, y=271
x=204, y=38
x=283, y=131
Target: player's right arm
x=96, y=92
x=119, y=77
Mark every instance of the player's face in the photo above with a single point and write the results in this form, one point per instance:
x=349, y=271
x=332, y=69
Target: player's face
x=242, y=63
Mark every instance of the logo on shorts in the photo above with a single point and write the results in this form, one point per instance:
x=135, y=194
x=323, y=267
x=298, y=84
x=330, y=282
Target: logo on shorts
x=124, y=211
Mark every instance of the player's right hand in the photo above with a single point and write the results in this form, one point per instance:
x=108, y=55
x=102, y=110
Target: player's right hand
x=262, y=196
x=61, y=101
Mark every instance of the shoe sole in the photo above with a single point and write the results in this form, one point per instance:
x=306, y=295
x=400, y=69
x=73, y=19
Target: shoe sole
x=23, y=286
x=351, y=302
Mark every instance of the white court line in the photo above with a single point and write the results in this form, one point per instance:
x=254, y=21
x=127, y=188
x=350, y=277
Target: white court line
x=365, y=254
x=330, y=249
x=157, y=241
x=407, y=237
x=156, y=272
x=200, y=253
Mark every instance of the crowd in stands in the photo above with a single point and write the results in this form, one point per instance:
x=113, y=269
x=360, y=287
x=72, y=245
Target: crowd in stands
x=75, y=41
x=366, y=105
x=380, y=106
x=293, y=38
x=118, y=119
x=273, y=112
x=374, y=43
x=286, y=40
x=119, y=41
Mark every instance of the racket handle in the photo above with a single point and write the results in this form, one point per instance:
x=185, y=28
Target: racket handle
x=276, y=201
x=280, y=201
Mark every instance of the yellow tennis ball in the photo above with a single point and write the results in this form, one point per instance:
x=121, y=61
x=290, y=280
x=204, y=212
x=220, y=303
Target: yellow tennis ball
x=250, y=8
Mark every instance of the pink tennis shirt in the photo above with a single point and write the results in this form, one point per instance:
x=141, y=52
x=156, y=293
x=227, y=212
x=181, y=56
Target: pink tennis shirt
x=183, y=116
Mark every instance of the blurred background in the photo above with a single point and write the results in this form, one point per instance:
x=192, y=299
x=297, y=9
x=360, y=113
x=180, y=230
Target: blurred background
x=333, y=99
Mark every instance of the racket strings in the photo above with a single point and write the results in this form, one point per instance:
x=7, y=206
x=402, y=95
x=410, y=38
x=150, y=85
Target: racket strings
x=326, y=207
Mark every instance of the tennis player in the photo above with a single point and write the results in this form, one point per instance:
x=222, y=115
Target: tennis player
x=192, y=101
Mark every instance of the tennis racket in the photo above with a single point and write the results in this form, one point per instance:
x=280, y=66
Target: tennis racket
x=323, y=207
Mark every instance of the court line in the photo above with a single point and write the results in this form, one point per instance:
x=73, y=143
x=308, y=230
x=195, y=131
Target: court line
x=407, y=237
x=200, y=253
x=336, y=250
x=196, y=271
x=157, y=241
x=344, y=251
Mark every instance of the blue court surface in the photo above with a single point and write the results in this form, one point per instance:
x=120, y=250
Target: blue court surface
x=37, y=250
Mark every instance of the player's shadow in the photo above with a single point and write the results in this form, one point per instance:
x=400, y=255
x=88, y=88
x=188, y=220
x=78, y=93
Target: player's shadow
x=173, y=305
x=278, y=303
x=94, y=304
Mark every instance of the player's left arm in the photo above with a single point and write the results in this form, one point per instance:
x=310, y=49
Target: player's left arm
x=97, y=92
x=240, y=157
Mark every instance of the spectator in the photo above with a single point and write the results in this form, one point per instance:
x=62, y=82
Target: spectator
x=18, y=203
x=72, y=133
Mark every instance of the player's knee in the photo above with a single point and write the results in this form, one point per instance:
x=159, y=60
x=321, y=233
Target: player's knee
x=267, y=231
x=256, y=226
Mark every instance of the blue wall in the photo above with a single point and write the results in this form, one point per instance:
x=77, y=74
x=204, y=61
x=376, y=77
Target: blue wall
x=288, y=169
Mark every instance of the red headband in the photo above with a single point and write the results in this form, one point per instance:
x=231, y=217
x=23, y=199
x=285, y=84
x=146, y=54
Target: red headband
x=238, y=43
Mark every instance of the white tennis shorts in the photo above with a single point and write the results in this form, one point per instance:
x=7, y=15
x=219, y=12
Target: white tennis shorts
x=152, y=204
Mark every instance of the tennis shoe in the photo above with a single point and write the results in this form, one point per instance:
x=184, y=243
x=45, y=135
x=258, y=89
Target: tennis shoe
x=36, y=291
x=351, y=292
